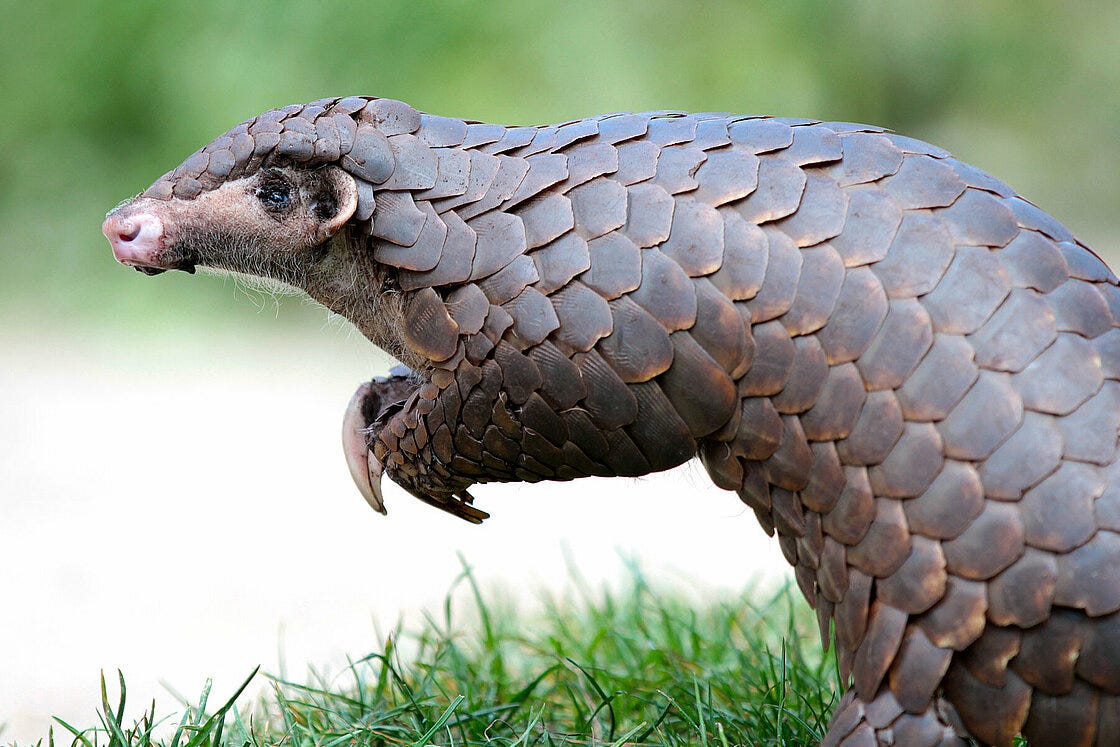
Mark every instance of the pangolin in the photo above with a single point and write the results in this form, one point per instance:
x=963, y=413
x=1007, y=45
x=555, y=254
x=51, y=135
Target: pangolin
x=906, y=370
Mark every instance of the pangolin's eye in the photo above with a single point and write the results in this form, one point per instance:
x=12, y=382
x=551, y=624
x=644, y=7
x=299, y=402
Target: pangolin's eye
x=276, y=196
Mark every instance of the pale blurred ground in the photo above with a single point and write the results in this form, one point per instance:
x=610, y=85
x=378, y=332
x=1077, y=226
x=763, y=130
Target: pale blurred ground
x=179, y=508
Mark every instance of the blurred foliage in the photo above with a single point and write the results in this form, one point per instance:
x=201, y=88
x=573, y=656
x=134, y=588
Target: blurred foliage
x=103, y=97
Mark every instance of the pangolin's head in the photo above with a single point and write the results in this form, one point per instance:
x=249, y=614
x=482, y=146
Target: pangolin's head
x=267, y=197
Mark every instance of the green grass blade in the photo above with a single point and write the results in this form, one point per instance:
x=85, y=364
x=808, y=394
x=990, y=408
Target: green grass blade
x=440, y=722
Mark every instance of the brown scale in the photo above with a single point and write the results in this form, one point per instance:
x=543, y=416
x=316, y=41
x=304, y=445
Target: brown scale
x=695, y=240
x=617, y=266
x=1079, y=307
x=821, y=281
x=637, y=346
x=866, y=158
x=885, y=543
x=562, y=259
x=1026, y=457
x=914, y=462
x=1058, y=381
x=745, y=257
x=980, y=218
x=510, y=281
x=990, y=412
x=1058, y=512
x=898, y=346
x=1016, y=334
x=872, y=221
x=859, y=312
x=838, y=405
x=973, y=288
x=779, y=284
x=906, y=370
x=923, y=182
x=918, y=256
x=1099, y=414
x=1085, y=265
x=1033, y=261
x=649, y=214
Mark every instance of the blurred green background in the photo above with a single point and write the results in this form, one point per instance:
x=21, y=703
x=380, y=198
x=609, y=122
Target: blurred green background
x=101, y=98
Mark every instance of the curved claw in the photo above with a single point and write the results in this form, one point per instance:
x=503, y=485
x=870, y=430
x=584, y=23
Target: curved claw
x=364, y=468
x=464, y=510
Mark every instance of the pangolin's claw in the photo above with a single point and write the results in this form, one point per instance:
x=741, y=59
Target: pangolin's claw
x=464, y=510
x=364, y=468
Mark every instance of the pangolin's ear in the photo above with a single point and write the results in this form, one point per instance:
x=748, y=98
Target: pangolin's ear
x=346, y=197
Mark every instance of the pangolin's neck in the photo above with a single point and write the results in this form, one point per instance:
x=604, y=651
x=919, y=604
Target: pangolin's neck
x=348, y=282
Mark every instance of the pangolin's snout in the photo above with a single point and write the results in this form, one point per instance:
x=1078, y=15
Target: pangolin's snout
x=138, y=241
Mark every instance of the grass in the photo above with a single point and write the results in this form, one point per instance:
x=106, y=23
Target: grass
x=633, y=666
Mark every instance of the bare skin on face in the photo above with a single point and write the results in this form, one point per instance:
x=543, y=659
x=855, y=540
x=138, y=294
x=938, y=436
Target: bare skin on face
x=285, y=224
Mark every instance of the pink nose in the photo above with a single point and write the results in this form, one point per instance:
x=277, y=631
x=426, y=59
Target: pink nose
x=135, y=238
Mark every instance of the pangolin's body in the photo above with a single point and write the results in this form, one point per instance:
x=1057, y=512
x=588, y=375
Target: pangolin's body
x=905, y=369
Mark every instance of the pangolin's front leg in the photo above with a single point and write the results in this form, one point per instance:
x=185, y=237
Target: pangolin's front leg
x=389, y=424
x=509, y=419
